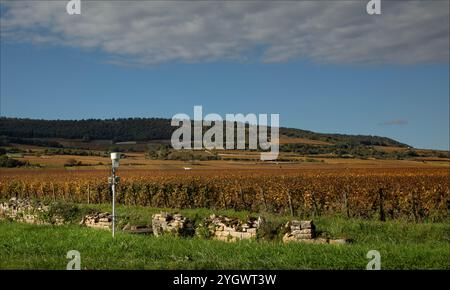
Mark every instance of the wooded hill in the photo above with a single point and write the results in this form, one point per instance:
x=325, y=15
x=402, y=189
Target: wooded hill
x=147, y=129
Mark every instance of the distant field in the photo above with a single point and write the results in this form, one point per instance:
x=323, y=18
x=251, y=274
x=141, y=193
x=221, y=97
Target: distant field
x=296, y=152
x=232, y=159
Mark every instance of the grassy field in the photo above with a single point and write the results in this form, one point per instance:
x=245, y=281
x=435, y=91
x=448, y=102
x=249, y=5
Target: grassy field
x=401, y=245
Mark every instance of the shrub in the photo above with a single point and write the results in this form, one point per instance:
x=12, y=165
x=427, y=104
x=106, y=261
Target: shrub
x=270, y=230
x=72, y=162
x=58, y=210
x=5, y=161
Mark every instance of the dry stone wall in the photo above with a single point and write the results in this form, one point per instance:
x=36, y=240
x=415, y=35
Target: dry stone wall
x=98, y=220
x=164, y=223
x=299, y=231
x=218, y=227
x=305, y=232
x=229, y=229
x=23, y=210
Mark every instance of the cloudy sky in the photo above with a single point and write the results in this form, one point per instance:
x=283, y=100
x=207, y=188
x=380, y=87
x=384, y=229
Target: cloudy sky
x=326, y=66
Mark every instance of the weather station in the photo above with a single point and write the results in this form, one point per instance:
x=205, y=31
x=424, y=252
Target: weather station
x=113, y=180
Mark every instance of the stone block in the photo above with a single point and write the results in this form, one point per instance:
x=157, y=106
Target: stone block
x=303, y=232
x=306, y=224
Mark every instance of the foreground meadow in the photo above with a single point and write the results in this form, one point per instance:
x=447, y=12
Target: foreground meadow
x=402, y=245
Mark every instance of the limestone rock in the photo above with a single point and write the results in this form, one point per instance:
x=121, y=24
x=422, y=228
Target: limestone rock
x=24, y=210
x=164, y=223
x=231, y=229
x=101, y=220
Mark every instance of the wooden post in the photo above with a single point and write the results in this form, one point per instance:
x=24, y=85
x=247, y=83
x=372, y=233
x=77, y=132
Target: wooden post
x=414, y=206
x=347, y=212
x=224, y=200
x=381, y=199
x=313, y=196
x=88, y=193
x=53, y=191
x=290, y=203
x=241, y=193
x=264, y=199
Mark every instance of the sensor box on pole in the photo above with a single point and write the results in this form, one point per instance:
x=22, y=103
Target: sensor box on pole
x=115, y=157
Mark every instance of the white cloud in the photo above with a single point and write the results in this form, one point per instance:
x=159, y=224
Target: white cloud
x=146, y=32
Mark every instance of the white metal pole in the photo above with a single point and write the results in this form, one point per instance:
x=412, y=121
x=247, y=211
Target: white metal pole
x=113, y=200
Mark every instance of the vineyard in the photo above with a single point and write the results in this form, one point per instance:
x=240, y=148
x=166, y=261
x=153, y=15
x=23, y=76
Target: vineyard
x=377, y=193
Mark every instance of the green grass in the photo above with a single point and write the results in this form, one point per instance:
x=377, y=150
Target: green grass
x=402, y=246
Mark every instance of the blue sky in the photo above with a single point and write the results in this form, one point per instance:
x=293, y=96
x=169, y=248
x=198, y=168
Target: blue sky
x=405, y=100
